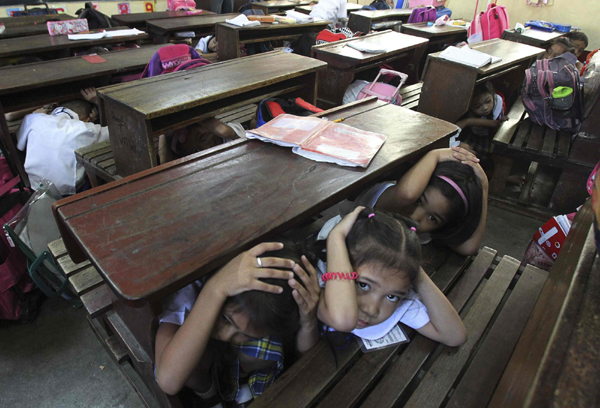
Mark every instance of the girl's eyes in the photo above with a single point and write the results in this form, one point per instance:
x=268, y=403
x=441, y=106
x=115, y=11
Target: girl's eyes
x=363, y=286
x=393, y=298
x=419, y=201
x=432, y=219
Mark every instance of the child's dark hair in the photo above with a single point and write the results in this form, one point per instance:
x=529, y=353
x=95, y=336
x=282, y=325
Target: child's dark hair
x=462, y=222
x=564, y=42
x=80, y=107
x=385, y=239
x=484, y=88
x=275, y=314
x=578, y=36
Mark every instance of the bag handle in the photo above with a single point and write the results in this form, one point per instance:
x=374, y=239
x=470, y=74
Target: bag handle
x=403, y=77
x=37, y=279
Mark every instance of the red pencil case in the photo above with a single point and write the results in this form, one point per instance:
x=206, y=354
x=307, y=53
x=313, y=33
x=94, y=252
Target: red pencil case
x=67, y=26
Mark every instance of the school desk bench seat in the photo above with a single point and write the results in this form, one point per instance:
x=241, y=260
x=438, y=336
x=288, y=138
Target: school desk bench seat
x=98, y=161
x=571, y=156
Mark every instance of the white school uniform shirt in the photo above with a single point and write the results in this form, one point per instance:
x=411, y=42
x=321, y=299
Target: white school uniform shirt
x=329, y=10
x=411, y=311
x=51, y=141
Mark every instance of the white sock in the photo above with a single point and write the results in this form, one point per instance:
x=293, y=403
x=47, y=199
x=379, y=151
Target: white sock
x=244, y=394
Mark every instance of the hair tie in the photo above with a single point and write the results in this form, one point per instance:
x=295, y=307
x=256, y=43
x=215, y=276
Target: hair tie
x=371, y=215
x=413, y=228
x=458, y=190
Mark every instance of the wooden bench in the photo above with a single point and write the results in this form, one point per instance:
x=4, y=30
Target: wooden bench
x=403, y=52
x=538, y=147
x=140, y=20
x=537, y=38
x=231, y=37
x=28, y=20
x=410, y=95
x=99, y=163
x=494, y=297
x=366, y=21
x=23, y=30
x=163, y=30
x=138, y=111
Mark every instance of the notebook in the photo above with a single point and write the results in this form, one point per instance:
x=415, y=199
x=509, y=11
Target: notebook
x=468, y=56
x=321, y=140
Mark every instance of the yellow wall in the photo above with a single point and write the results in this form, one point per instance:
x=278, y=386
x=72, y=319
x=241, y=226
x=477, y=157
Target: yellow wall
x=107, y=7
x=581, y=13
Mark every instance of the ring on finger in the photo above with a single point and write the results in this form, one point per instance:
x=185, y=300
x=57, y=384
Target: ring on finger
x=259, y=261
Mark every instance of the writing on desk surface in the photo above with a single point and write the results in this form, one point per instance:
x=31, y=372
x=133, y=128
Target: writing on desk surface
x=123, y=132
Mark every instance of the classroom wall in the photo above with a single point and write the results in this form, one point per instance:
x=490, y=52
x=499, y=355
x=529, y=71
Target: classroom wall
x=107, y=7
x=581, y=13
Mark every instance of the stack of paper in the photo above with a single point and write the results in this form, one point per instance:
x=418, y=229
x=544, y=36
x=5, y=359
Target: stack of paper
x=468, y=56
x=242, y=21
x=362, y=47
x=107, y=34
x=300, y=18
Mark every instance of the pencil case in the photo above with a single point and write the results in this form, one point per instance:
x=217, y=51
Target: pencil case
x=262, y=19
x=67, y=26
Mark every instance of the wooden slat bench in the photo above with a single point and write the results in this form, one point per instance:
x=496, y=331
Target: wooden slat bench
x=410, y=95
x=495, y=298
x=99, y=163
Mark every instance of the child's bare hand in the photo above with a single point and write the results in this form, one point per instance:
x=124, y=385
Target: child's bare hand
x=462, y=154
x=307, y=296
x=243, y=272
x=344, y=226
x=93, y=115
x=89, y=94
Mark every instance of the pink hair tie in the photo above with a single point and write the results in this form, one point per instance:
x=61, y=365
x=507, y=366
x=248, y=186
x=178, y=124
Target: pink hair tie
x=413, y=228
x=458, y=190
x=371, y=215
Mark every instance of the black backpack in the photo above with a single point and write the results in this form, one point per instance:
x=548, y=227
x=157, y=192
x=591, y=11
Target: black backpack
x=95, y=18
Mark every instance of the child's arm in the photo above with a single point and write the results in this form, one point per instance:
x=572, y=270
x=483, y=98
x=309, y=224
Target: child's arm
x=470, y=246
x=445, y=324
x=89, y=94
x=338, y=307
x=478, y=122
x=307, y=298
x=412, y=185
x=179, y=350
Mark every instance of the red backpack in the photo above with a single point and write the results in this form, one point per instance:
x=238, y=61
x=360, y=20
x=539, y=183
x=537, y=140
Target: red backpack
x=174, y=5
x=491, y=23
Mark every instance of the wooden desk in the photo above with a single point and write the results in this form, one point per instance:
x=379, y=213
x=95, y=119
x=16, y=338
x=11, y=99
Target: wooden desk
x=350, y=8
x=57, y=46
x=344, y=62
x=154, y=232
x=138, y=111
x=230, y=37
x=271, y=7
x=448, y=86
x=162, y=30
x=363, y=20
x=24, y=30
x=29, y=85
x=537, y=38
x=436, y=34
x=27, y=20
x=139, y=20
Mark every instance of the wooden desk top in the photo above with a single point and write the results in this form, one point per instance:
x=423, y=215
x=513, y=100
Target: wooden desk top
x=423, y=30
x=172, y=93
x=140, y=18
x=36, y=44
x=19, y=78
x=156, y=231
x=26, y=20
x=338, y=52
x=276, y=27
x=24, y=30
x=510, y=52
x=542, y=36
x=350, y=7
x=188, y=23
x=281, y=4
x=379, y=14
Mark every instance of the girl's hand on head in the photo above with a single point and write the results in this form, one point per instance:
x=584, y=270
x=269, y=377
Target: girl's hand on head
x=344, y=226
x=479, y=173
x=243, y=272
x=462, y=155
x=307, y=296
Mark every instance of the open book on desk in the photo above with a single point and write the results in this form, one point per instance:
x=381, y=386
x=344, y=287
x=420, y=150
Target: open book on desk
x=321, y=140
x=468, y=56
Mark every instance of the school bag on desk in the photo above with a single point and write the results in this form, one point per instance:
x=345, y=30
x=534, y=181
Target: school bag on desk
x=95, y=18
x=490, y=23
x=173, y=58
x=270, y=108
x=423, y=15
x=552, y=93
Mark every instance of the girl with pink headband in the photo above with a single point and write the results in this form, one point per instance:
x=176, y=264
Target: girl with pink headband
x=445, y=193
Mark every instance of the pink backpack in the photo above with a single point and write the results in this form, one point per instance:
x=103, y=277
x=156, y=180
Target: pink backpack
x=174, y=5
x=490, y=23
x=384, y=92
x=423, y=15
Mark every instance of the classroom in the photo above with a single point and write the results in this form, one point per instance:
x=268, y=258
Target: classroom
x=299, y=203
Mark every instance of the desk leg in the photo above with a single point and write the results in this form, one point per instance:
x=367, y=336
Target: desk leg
x=332, y=84
x=229, y=43
x=415, y=62
x=135, y=328
x=10, y=151
x=159, y=38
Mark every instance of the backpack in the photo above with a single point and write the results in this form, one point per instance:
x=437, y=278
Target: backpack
x=36, y=11
x=552, y=94
x=174, y=5
x=384, y=92
x=270, y=108
x=379, y=5
x=422, y=15
x=95, y=18
x=332, y=35
x=490, y=23
x=173, y=58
